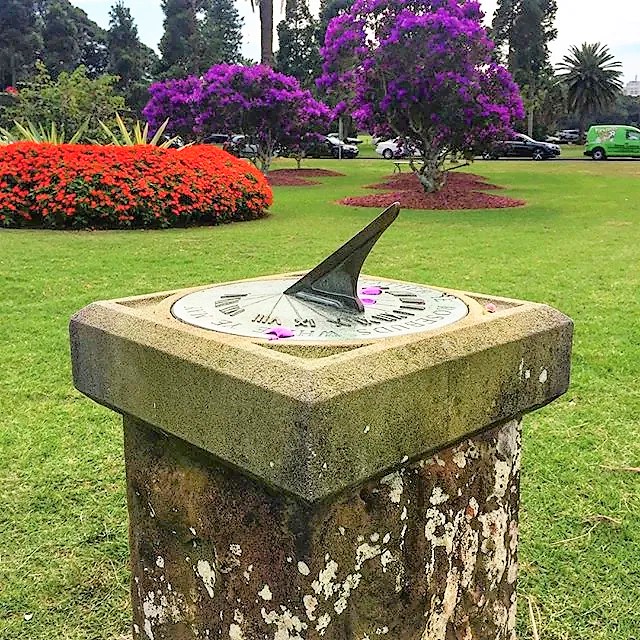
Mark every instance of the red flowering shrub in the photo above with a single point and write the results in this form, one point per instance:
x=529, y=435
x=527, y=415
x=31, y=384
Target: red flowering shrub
x=108, y=187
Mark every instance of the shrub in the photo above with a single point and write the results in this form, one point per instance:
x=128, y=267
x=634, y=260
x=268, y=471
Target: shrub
x=72, y=100
x=108, y=187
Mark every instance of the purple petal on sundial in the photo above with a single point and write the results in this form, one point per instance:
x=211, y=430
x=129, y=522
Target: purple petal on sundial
x=368, y=301
x=275, y=333
x=371, y=291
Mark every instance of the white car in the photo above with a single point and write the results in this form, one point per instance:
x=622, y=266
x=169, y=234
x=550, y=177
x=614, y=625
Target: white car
x=346, y=140
x=394, y=149
x=239, y=145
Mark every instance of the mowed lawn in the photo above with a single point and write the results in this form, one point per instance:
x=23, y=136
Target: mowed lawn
x=576, y=246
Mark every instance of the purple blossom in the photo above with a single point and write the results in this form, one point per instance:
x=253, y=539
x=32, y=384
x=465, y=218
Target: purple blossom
x=175, y=100
x=423, y=70
x=268, y=107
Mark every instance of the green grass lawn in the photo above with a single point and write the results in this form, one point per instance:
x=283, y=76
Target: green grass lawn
x=572, y=151
x=576, y=246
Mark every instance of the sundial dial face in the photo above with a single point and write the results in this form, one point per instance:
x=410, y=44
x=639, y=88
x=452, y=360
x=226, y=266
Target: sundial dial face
x=255, y=307
x=330, y=303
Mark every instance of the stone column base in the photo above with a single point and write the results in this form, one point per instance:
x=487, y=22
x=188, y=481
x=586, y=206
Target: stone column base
x=427, y=552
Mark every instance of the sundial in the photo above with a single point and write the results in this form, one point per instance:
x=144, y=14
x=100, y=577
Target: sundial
x=332, y=302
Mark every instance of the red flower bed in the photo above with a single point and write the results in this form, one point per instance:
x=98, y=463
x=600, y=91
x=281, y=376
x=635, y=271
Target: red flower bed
x=109, y=187
x=461, y=191
x=299, y=177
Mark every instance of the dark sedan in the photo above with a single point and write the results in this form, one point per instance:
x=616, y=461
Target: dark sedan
x=332, y=147
x=521, y=146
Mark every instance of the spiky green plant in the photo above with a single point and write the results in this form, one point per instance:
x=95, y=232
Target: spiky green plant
x=592, y=79
x=137, y=135
x=38, y=133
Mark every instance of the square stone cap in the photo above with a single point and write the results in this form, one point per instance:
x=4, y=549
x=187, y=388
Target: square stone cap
x=315, y=420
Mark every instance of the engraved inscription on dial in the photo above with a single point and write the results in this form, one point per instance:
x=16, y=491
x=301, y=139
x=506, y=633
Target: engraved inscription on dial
x=256, y=307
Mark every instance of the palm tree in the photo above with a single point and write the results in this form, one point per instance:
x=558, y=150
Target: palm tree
x=592, y=79
x=266, y=30
x=266, y=26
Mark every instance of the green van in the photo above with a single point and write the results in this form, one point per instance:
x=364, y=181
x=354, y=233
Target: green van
x=612, y=140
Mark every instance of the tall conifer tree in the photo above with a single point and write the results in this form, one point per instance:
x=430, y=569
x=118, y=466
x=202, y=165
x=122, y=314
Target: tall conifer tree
x=61, y=38
x=70, y=38
x=20, y=41
x=197, y=35
x=180, y=45
x=522, y=31
x=220, y=34
x=93, y=43
x=299, y=53
x=129, y=59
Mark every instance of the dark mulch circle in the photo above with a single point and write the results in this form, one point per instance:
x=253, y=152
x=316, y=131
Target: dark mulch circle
x=462, y=191
x=299, y=177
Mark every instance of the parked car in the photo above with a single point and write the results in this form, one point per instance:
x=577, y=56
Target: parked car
x=348, y=140
x=216, y=138
x=569, y=136
x=395, y=148
x=174, y=142
x=240, y=146
x=333, y=148
x=612, y=140
x=522, y=146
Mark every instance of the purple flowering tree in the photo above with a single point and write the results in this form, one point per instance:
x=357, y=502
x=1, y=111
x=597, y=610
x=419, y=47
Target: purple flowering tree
x=424, y=70
x=270, y=108
x=306, y=129
x=173, y=100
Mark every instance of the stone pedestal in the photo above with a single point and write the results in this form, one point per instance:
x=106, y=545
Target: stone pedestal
x=344, y=492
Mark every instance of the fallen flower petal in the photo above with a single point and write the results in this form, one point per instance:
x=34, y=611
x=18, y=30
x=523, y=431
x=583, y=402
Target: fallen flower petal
x=275, y=333
x=371, y=291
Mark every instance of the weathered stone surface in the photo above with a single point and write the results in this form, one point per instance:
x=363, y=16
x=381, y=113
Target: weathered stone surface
x=316, y=421
x=427, y=552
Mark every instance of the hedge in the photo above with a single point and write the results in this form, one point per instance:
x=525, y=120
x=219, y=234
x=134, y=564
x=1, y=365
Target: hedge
x=109, y=187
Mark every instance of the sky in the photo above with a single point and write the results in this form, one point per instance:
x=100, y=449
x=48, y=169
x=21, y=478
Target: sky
x=615, y=23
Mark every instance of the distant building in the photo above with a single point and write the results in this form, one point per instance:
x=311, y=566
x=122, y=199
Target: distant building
x=633, y=88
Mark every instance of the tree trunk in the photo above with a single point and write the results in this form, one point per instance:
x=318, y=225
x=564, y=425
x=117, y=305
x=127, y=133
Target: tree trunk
x=430, y=175
x=266, y=32
x=428, y=182
x=264, y=156
x=581, y=127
